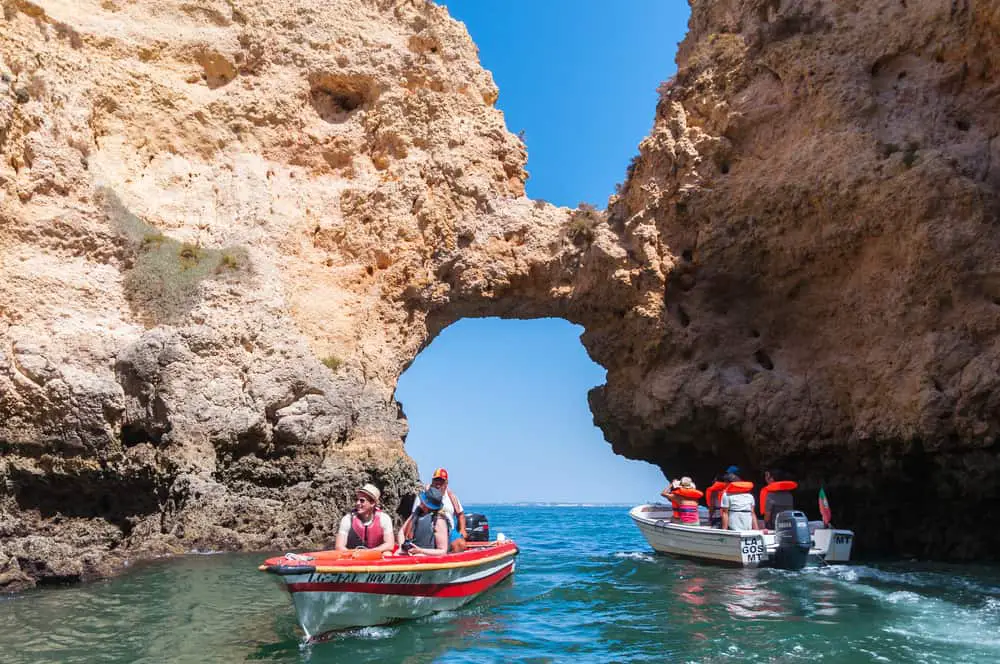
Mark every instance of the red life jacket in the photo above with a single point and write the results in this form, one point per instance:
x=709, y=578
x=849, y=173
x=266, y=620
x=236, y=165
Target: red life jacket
x=739, y=487
x=775, y=487
x=365, y=537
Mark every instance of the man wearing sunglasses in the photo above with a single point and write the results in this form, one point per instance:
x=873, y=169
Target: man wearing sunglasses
x=366, y=526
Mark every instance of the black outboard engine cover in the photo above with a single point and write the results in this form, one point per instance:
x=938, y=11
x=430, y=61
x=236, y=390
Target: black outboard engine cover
x=477, y=528
x=792, y=533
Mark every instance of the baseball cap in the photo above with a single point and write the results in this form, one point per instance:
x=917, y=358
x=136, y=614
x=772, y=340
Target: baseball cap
x=440, y=472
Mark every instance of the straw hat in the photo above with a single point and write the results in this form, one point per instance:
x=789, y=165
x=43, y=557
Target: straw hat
x=687, y=483
x=371, y=491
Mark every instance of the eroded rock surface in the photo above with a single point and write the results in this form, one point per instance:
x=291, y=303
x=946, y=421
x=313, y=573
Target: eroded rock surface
x=227, y=228
x=822, y=183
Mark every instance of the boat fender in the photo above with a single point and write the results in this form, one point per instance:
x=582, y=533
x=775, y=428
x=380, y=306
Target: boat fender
x=785, y=485
x=739, y=487
x=366, y=554
x=690, y=494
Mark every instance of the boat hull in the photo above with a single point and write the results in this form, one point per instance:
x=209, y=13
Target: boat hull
x=331, y=593
x=744, y=548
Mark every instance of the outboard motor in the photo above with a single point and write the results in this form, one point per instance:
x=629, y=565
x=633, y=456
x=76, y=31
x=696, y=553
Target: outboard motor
x=477, y=528
x=791, y=529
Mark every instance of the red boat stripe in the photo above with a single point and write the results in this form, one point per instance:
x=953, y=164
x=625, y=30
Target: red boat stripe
x=421, y=589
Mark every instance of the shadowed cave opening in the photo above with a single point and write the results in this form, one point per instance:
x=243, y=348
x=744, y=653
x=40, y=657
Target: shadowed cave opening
x=502, y=404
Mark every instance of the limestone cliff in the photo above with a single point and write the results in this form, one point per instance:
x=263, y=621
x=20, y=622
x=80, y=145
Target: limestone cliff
x=226, y=228
x=821, y=188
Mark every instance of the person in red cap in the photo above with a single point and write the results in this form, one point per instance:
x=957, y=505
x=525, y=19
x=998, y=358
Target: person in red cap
x=451, y=509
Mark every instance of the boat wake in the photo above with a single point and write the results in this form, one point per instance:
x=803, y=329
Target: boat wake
x=635, y=555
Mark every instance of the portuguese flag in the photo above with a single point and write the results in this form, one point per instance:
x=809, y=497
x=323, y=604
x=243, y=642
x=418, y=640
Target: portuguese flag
x=824, y=507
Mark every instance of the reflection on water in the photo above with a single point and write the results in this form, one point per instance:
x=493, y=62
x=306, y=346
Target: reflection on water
x=598, y=595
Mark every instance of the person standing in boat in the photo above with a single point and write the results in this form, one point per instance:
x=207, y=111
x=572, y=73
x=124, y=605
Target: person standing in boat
x=684, y=495
x=366, y=526
x=713, y=500
x=426, y=530
x=776, y=497
x=451, y=509
x=737, y=505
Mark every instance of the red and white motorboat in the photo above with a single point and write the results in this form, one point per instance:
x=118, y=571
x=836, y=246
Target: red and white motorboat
x=334, y=590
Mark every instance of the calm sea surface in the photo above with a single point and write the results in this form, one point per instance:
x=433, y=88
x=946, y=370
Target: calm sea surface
x=587, y=589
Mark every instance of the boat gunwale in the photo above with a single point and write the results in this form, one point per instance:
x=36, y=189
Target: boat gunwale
x=506, y=550
x=687, y=528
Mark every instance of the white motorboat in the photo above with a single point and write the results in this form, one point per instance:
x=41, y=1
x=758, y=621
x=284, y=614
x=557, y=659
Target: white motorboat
x=784, y=547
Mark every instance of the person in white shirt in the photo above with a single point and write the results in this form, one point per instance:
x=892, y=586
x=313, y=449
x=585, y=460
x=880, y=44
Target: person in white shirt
x=366, y=526
x=451, y=509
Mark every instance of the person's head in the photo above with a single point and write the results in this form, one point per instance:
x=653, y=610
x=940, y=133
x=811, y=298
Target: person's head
x=430, y=500
x=731, y=477
x=687, y=483
x=776, y=475
x=733, y=470
x=366, y=499
x=440, y=479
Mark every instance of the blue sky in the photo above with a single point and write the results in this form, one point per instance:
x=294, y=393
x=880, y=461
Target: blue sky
x=503, y=403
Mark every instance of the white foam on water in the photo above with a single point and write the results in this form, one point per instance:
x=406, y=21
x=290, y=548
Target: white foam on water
x=634, y=555
x=874, y=655
x=375, y=633
x=902, y=596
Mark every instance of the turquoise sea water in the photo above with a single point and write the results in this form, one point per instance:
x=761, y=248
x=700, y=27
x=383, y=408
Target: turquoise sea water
x=587, y=589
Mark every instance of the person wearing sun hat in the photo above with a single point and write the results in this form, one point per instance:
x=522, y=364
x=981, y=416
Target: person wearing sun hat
x=425, y=532
x=366, y=526
x=451, y=509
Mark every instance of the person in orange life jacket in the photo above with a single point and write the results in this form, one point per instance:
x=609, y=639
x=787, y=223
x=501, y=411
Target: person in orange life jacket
x=737, y=505
x=684, y=495
x=426, y=530
x=713, y=499
x=777, y=496
x=669, y=495
x=451, y=509
x=366, y=526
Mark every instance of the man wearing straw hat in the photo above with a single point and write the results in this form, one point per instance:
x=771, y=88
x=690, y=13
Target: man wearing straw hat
x=366, y=526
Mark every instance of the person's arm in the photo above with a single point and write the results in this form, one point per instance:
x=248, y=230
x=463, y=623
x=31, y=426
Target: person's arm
x=753, y=516
x=724, y=509
x=388, y=540
x=340, y=544
x=459, y=512
x=407, y=527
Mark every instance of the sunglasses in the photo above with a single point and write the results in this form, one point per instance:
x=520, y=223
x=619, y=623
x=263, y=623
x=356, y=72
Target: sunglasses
x=364, y=499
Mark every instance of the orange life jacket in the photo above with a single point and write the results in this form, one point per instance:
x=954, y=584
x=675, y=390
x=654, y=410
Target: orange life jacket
x=786, y=485
x=713, y=493
x=739, y=487
x=690, y=494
